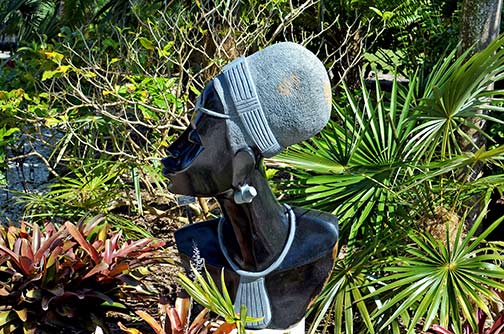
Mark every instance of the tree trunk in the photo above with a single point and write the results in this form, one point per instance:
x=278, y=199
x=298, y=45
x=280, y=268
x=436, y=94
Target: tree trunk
x=480, y=23
x=479, y=26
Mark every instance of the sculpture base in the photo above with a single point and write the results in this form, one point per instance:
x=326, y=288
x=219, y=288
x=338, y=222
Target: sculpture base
x=298, y=328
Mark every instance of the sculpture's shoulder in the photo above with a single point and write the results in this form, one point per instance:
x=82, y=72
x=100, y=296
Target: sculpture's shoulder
x=318, y=219
x=316, y=236
x=203, y=238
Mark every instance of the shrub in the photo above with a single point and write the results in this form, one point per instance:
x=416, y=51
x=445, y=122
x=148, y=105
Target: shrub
x=65, y=277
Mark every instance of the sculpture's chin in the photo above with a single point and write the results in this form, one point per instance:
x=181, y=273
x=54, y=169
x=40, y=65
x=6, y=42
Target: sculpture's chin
x=182, y=184
x=177, y=185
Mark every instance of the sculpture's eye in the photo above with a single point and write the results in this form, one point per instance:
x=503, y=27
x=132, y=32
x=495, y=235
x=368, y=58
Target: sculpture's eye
x=194, y=137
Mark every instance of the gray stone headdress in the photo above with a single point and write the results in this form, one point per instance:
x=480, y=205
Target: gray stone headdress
x=274, y=98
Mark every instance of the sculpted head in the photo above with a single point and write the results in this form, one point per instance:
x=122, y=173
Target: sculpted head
x=255, y=108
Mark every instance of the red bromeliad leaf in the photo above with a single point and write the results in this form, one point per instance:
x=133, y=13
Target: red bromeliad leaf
x=26, y=265
x=98, y=245
x=151, y=321
x=498, y=325
x=50, y=228
x=90, y=226
x=128, y=330
x=102, y=266
x=36, y=238
x=109, y=252
x=77, y=235
x=14, y=257
x=17, y=246
x=182, y=305
x=441, y=330
x=225, y=328
x=175, y=321
x=119, y=269
x=115, y=239
x=198, y=322
x=26, y=249
x=22, y=232
x=48, y=243
x=481, y=318
x=128, y=248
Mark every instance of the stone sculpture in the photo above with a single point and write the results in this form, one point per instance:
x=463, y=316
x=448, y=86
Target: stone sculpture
x=276, y=258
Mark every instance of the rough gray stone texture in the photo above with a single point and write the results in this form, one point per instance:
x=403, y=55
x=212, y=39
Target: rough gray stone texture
x=294, y=91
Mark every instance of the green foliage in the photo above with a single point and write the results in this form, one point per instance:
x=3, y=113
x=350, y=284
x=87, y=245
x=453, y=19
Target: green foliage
x=66, y=278
x=114, y=96
x=436, y=281
x=95, y=188
x=393, y=160
x=206, y=293
x=455, y=99
x=356, y=163
x=341, y=300
x=420, y=31
x=389, y=150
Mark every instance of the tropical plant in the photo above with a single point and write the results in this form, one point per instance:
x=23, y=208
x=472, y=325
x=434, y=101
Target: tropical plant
x=341, y=300
x=66, y=278
x=438, y=281
x=361, y=167
x=206, y=293
x=29, y=19
x=455, y=93
x=354, y=167
x=418, y=33
x=394, y=161
x=174, y=319
x=496, y=327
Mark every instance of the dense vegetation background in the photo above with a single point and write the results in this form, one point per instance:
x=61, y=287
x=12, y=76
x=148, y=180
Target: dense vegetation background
x=92, y=92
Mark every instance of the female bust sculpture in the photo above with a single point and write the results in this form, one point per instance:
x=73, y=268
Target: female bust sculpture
x=276, y=258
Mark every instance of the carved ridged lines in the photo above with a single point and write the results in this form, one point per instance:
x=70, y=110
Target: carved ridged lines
x=251, y=296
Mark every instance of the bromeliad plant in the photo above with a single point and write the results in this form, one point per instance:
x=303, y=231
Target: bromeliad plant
x=497, y=327
x=53, y=278
x=174, y=319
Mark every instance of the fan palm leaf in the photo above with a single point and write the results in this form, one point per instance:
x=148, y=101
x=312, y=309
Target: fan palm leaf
x=438, y=281
x=351, y=169
x=453, y=97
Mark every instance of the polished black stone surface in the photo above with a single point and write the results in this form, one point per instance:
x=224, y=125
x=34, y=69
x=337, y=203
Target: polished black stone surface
x=209, y=160
x=299, y=278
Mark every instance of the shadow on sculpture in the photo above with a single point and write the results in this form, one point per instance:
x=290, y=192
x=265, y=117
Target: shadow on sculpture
x=276, y=258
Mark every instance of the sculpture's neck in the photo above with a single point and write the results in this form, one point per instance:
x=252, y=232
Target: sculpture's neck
x=254, y=234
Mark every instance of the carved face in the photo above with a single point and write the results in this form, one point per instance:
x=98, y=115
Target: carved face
x=199, y=162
